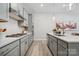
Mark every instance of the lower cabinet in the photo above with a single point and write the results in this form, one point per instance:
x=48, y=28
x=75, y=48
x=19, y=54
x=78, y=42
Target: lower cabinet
x=24, y=45
x=52, y=44
x=62, y=51
x=57, y=46
x=23, y=49
x=54, y=48
x=17, y=48
x=62, y=48
x=48, y=41
x=8, y=49
x=14, y=52
x=30, y=40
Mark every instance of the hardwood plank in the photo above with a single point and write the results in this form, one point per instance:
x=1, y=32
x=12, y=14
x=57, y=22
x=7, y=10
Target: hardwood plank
x=39, y=48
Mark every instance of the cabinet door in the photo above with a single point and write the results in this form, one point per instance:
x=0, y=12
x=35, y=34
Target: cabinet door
x=48, y=40
x=62, y=43
x=21, y=10
x=54, y=48
x=25, y=14
x=62, y=51
x=4, y=11
x=14, y=6
x=26, y=45
x=23, y=49
x=29, y=40
x=30, y=22
x=26, y=17
x=50, y=44
x=14, y=52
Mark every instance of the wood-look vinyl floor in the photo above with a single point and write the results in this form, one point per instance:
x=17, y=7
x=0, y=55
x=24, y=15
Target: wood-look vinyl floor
x=39, y=48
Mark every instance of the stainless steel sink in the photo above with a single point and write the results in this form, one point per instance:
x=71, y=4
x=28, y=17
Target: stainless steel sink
x=16, y=35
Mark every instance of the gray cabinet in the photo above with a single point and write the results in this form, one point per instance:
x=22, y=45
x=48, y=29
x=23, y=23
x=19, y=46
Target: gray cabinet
x=14, y=52
x=18, y=47
x=25, y=14
x=62, y=43
x=24, y=45
x=54, y=48
x=23, y=49
x=62, y=51
x=4, y=11
x=14, y=6
x=57, y=46
x=62, y=48
x=30, y=23
x=48, y=41
x=30, y=40
x=7, y=49
x=21, y=9
x=52, y=44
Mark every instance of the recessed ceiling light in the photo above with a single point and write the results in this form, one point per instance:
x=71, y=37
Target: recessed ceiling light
x=42, y=5
x=70, y=6
x=64, y=5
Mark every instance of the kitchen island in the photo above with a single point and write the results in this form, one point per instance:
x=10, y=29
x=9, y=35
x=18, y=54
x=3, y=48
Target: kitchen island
x=64, y=45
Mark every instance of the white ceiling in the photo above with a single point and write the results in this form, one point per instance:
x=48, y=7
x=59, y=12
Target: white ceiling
x=51, y=8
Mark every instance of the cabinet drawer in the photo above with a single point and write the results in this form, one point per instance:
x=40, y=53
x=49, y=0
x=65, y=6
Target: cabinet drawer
x=24, y=38
x=53, y=38
x=8, y=48
x=62, y=43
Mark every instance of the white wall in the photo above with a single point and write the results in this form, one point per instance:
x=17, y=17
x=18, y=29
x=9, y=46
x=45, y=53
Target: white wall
x=44, y=23
x=11, y=26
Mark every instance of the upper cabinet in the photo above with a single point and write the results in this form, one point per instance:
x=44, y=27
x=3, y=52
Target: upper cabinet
x=14, y=6
x=25, y=14
x=14, y=11
x=20, y=10
x=4, y=12
x=17, y=11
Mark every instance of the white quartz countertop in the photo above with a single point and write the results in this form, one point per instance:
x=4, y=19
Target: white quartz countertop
x=67, y=38
x=8, y=40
